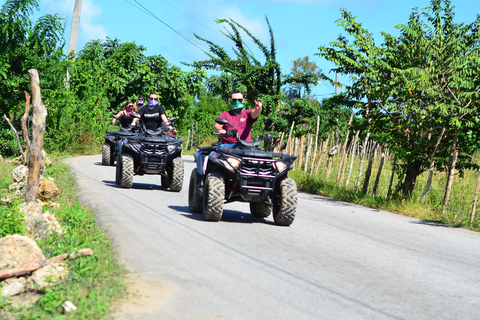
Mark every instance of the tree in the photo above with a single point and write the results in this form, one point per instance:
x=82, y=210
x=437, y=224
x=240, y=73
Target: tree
x=25, y=45
x=309, y=72
x=412, y=86
x=261, y=80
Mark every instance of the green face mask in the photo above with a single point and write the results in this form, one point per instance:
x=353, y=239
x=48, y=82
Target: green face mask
x=237, y=106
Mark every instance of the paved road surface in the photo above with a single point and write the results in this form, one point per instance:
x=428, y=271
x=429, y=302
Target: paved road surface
x=336, y=261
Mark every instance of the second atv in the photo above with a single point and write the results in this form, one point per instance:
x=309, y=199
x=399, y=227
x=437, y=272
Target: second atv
x=154, y=152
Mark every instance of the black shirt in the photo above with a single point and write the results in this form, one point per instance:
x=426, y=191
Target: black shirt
x=152, y=118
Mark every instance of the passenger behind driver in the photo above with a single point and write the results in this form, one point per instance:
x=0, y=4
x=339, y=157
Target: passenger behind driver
x=126, y=115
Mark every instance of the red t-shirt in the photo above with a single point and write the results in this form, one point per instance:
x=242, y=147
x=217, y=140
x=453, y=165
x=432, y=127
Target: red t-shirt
x=243, y=123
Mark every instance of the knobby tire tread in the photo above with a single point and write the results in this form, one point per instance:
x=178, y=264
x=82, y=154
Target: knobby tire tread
x=284, y=212
x=126, y=180
x=213, y=197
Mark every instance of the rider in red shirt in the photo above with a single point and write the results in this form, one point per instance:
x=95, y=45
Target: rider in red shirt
x=239, y=117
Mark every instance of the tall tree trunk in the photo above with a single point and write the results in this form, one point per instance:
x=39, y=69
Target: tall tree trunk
x=368, y=173
x=380, y=167
x=432, y=166
x=38, y=126
x=408, y=185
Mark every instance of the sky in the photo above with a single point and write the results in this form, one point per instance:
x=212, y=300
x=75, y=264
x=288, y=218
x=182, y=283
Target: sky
x=167, y=27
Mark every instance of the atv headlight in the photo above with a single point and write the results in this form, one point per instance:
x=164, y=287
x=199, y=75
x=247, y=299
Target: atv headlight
x=280, y=166
x=171, y=147
x=230, y=163
x=234, y=162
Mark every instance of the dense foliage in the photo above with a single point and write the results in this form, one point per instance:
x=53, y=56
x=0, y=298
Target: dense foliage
x=411, y=87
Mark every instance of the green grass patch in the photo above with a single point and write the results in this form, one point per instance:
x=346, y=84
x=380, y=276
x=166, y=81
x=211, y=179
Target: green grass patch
x=94, y=281
x=457, y=213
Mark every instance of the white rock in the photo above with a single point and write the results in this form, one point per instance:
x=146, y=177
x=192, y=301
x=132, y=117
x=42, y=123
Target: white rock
x=68, y=306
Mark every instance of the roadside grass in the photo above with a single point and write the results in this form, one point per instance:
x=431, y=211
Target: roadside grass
x=94, y=281
x=458, y=209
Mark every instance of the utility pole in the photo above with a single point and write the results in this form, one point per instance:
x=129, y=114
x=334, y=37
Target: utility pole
x=336, y=83
x=72, y=44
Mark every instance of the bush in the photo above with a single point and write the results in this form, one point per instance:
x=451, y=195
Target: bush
x=8, y=145
x=11, y=219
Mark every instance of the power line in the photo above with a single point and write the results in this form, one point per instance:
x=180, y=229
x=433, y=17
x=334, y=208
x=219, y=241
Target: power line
x=166, y=24
x=232, y=19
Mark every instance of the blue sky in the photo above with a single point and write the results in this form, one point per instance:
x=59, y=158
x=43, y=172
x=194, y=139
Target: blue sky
x=299, y=26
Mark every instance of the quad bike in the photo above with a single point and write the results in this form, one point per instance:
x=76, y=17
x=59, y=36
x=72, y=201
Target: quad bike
x=243, y=172
x=153, y=152
x=111, y=144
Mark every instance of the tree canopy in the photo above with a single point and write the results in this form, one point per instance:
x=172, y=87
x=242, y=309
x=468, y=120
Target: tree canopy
x=413, y=85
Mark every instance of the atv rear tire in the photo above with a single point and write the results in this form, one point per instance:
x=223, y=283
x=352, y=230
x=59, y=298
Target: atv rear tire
x=107, y=154
x=285, y=205
x=213, y=197
x=126, y=180
x=260, y=209
x=177, y=175
x=194, y=197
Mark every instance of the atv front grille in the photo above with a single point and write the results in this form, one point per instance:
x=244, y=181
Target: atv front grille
x=257, y=174
x=254, y=167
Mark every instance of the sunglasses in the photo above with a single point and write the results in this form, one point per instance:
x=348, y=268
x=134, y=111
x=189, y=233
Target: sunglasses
x=234, y=100
x=152, y=98
x=130, y=105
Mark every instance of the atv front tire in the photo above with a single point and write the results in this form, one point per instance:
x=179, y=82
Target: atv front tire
x=260, y=209
x=285, y=204
x=177, y=175
x=126, y=180
x=107, y=154
x=194, y=197
x=213, y=197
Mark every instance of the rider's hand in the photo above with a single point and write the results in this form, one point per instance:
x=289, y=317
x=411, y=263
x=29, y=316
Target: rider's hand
x=223, y=131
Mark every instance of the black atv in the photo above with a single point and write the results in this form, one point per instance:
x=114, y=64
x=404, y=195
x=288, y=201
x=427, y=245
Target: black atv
x=152, y=152
x=243, y=172
x=111, y=144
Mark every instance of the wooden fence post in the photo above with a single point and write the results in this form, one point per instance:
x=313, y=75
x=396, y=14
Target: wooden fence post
x=316, y=145
x=289, y=142
x=307, y=156
x=364, y=149
x=475, y=197
x=389, y=193
x=38, y=131
x=323, y=150
x=368, y=173
x=26, y=139
x=354, y=148
x=379, y=172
